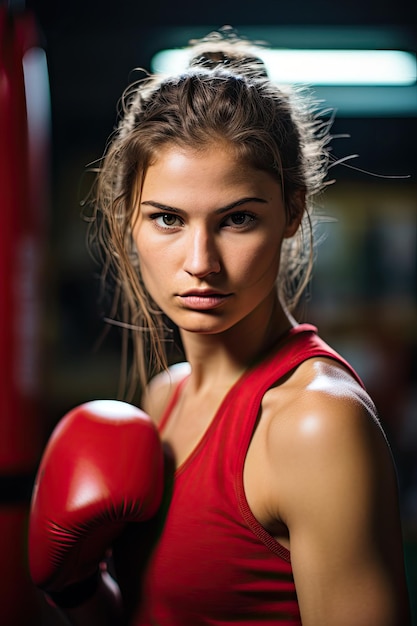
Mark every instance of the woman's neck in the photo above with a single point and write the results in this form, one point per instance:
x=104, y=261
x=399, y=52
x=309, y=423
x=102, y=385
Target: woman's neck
x=225, y=356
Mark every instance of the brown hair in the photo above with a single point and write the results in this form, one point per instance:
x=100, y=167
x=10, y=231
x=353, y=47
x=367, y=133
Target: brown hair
x=225, y=95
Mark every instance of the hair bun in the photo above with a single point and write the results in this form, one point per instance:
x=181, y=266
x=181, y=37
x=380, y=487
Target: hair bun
x=224, y=49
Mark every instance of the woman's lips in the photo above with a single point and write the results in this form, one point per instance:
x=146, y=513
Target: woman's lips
x=203, y=301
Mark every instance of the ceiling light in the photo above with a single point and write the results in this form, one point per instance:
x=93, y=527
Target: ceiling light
x=318, y=67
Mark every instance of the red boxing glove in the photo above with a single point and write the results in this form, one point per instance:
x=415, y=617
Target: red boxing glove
x=102, y=468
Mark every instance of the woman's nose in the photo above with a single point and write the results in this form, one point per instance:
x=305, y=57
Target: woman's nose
x=201, y=256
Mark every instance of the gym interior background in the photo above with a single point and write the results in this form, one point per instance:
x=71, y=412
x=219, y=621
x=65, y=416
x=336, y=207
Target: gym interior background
x=363, y=295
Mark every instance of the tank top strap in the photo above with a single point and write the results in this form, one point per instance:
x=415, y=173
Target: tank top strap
x=299, y=344
x=240, y=410
x=171, y=403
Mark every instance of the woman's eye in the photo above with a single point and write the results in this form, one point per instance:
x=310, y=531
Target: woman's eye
x=239, y=220
x=166, y=220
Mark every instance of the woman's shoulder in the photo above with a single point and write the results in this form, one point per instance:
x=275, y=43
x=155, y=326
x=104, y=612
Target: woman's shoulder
x=321, y=383
x=320, y=406
x=322, y=436
x=160, y=389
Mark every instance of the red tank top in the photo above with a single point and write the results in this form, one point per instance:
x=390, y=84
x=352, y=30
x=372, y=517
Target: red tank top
x=214, y=563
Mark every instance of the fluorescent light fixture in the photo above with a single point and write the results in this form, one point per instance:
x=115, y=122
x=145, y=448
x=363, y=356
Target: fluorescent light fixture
x=318, y=67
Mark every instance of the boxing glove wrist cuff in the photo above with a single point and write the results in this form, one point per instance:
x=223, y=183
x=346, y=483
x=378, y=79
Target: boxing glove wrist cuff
x=74, y=595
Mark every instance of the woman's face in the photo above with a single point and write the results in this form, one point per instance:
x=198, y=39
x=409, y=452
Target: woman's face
x=208, y=232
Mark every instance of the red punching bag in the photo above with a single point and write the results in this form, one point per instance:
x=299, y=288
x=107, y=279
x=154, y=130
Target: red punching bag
x=24, y=129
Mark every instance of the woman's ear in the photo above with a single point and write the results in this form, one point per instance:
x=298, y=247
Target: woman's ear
x=295, y=212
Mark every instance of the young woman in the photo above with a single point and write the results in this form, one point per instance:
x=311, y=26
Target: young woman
x=280, y=501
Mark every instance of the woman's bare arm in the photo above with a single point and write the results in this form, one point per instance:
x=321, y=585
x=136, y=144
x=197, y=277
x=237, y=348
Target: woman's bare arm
x=339, y=500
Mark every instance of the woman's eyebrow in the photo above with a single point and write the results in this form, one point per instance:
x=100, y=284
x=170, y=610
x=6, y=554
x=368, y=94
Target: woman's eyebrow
x=228, y=207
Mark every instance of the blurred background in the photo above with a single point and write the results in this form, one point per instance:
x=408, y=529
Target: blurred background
x=363, y=295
